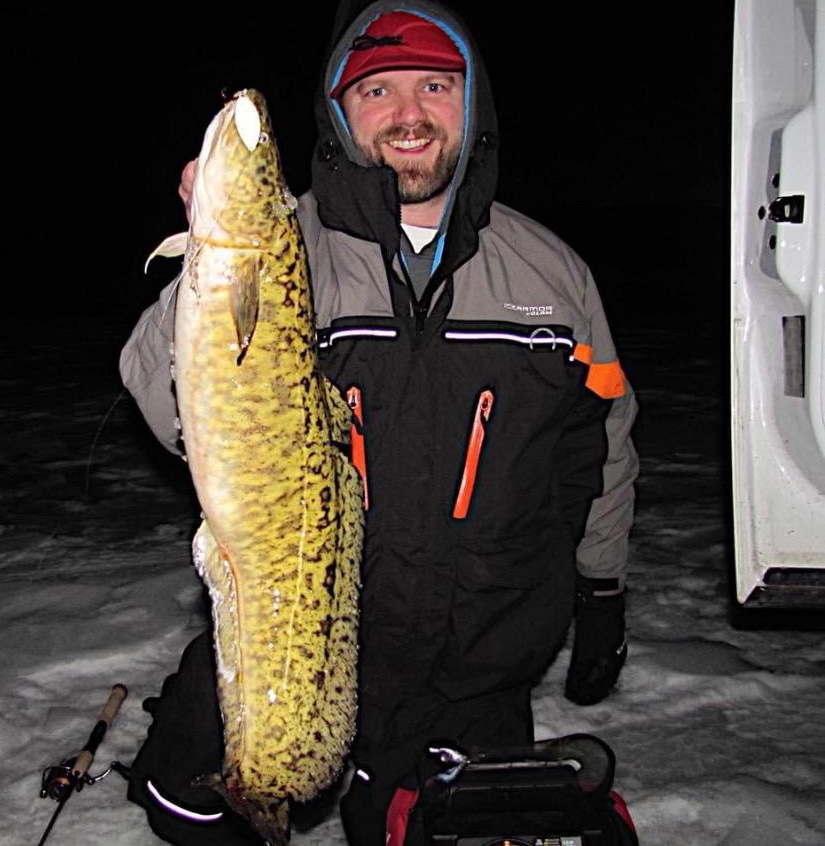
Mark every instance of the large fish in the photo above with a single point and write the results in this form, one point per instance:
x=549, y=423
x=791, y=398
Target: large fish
x=280, y=544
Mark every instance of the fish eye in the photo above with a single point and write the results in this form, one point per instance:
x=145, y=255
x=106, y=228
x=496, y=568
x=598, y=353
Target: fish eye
x=263, y=138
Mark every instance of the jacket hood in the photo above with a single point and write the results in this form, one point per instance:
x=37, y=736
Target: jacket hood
x=362, y=199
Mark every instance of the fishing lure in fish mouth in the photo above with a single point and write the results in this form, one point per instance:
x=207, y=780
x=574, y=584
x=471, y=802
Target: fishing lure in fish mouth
x=280, y=545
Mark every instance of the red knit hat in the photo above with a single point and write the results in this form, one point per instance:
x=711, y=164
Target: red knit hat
x=399, y=41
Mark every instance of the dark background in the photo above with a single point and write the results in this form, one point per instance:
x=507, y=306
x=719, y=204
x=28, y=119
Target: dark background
x=614, y=124
x=615, y=132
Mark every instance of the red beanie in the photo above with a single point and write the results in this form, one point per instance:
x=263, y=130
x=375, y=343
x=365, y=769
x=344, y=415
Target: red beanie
x=399, y=41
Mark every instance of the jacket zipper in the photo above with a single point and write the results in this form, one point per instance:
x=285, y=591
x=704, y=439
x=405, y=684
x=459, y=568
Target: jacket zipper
x=418, y=310
x=420, y=318
x=468, y=477
x=359, y=453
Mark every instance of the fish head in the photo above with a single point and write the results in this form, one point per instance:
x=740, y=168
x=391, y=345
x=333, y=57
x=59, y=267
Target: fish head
x=240, y=198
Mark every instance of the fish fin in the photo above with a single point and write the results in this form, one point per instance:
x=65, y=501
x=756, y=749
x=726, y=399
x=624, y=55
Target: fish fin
x=171, y=247
x=244, y=298
x=340, y=414
x=213, y=564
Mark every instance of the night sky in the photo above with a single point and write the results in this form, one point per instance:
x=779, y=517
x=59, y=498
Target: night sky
x=614, y=124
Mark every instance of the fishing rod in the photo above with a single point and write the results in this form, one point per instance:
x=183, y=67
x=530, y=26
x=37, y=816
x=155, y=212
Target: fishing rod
x=61, y=780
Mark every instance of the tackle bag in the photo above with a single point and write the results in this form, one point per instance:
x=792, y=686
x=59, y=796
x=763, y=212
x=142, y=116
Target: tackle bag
x=554, y=793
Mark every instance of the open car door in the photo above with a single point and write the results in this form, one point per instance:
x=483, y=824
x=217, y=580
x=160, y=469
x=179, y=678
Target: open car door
x=778, y=302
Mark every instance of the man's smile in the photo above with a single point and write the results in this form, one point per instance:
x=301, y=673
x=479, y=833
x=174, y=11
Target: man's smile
x=410, y=144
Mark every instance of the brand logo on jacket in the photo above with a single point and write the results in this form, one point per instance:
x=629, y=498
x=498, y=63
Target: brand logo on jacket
x=530, y=310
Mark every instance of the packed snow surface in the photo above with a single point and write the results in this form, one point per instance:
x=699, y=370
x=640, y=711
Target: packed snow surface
x=719, y=732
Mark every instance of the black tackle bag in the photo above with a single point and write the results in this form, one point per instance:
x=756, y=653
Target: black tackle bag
x=554, y=793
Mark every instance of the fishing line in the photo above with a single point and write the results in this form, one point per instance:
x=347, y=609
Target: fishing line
x=103, y=422
x=174, y=289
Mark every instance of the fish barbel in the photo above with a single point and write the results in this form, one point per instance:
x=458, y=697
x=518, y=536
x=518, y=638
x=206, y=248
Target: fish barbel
x=280, y=544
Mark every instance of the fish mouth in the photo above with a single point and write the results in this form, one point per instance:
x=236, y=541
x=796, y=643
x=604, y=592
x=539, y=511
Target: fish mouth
x=239, y=197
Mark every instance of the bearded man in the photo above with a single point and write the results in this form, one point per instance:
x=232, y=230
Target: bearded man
x=496, y=418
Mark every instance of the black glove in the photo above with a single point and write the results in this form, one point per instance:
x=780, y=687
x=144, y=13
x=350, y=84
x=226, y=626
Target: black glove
x=599, y=647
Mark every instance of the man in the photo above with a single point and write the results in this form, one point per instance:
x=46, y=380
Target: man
x=495, y=415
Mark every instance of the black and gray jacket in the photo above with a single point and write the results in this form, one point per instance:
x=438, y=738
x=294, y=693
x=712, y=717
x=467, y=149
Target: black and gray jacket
x=495, y=417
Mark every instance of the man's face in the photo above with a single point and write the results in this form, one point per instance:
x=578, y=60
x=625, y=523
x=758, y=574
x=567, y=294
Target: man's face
x=413, y=121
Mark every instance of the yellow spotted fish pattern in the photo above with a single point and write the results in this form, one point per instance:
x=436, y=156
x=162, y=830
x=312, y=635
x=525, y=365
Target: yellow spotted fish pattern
x=280, y=543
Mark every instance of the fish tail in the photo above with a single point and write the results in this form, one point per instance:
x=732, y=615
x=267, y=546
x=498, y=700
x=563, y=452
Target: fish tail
x=273, y=825
x=271, y=820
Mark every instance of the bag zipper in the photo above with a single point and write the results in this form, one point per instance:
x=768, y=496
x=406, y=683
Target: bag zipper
x=468, y=477
x=359, y=453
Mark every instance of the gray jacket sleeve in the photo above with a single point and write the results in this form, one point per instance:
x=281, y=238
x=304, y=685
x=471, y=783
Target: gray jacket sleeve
x=603, y=551
x=146, y=368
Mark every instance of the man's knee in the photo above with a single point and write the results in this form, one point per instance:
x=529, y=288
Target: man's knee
x=185, y=741
x=364, y=812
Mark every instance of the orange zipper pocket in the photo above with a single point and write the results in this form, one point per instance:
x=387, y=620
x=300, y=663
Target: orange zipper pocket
x=359, y=453
x=468, y=477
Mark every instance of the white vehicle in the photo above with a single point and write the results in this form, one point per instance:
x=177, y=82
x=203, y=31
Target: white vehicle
x=778, y=302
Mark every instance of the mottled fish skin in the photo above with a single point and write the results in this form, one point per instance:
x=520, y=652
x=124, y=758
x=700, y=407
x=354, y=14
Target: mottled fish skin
x=280, y=545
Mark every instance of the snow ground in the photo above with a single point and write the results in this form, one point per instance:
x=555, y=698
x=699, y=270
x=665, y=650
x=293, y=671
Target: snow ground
x=719, y=732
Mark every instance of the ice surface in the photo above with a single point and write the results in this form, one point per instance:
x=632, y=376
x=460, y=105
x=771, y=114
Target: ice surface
x=719, y=732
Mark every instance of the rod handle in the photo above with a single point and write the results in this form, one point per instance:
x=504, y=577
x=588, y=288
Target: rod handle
x=113, y=703
x=109, y=712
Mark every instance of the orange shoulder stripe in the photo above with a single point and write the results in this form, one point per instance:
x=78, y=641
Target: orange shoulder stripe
x=583, y=353
x=605, y=380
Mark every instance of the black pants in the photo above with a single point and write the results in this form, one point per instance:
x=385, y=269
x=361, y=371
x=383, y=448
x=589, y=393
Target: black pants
x=185, y=741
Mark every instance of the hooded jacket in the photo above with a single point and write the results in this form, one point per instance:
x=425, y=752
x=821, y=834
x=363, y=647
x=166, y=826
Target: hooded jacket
x=492, y=414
